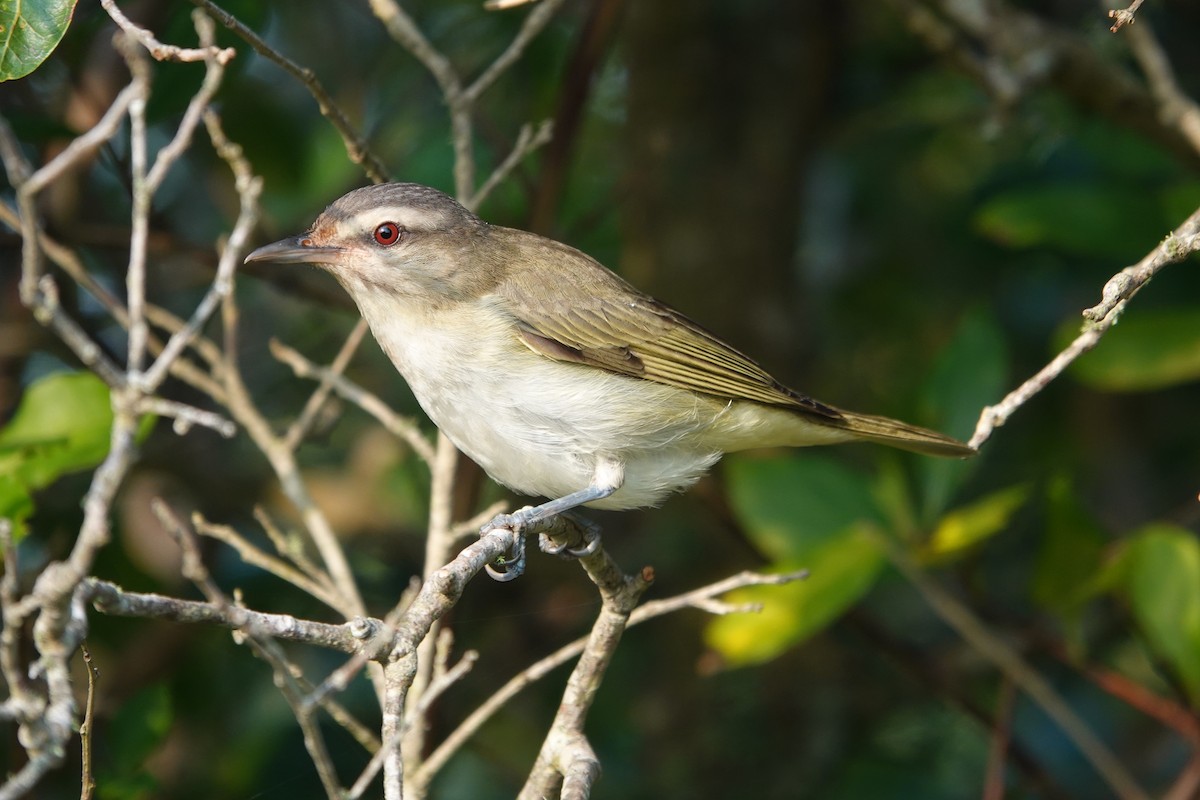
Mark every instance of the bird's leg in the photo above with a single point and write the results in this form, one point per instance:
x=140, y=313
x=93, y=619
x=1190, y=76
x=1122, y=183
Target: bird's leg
x=607, y=478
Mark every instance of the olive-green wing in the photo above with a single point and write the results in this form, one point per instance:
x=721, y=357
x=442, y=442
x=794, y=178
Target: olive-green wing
x=602, y=322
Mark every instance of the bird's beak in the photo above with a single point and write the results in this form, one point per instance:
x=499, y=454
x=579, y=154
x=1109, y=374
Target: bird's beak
x=296, y=250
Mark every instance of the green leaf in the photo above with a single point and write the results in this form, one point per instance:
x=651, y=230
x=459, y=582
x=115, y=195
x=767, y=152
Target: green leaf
x=969, y=373
x=965, y=527
x=805, y=512
x=29, y=32
x=1163, y=584
x=1090, y=220
x=137, y=730
x=1148, y=349
x=842, y=568
x=62, y=425
x=16, y=503
x=789, y=504
x=1071, y=555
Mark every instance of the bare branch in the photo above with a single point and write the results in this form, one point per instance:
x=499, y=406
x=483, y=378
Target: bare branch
x=87, y=779
x=1016, y=669
x=1124, y=16
x=527, y=142
x=403, y=428
x=185, y=416
x=566, y=764
x=534, y=23
x=697, y=598
x=166, y=52
x=1182, y=242
x=1175, y=108
x=249, y=187
x=356, y=146
x=320, y=589
x=303, y=423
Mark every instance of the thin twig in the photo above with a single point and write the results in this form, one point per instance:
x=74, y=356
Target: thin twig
x=993, y=779
x=249, y=187
x=527, y=142
x=166, y=52
x=403, y=428
x=321, y=590
x=303, y=423
x=1124, y=16
x=975, y=633
x=185, y=416
x=356, y=146
x=1175, y=107
x=696, y=598
x=1183, y=241
x=290, y=547
x=87, y=778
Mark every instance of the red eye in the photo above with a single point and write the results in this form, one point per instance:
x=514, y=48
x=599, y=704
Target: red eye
x=387, y=234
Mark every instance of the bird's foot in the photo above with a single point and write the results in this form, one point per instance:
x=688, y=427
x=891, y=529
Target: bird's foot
x=511, y=565
x=569, y=536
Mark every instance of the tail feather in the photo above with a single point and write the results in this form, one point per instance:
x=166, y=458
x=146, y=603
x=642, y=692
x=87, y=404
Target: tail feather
x=902, y=435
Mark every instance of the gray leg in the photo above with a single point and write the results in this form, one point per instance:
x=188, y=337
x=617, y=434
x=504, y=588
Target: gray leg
x=607, y=478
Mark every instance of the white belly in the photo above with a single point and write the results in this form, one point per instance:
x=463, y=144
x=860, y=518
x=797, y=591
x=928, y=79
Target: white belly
x=540, y=426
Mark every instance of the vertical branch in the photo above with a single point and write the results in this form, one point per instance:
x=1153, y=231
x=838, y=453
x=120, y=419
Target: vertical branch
x=567, y=765
x=1022, y=675
x=135, y=276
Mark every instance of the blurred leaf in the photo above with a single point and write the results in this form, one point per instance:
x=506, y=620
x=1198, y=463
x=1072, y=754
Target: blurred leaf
x=1070, y=559
x=964, y=527
x=969, y=374
x=136, y=731
x=842, y=568
x=1180, y=200
x=1091, y=220
x=16, y=503
x=790, y=504
x=1149, y=349
x=805, y=512
x=62, y=425
x=1163, y=584
x=29, y=32
x=894, y=496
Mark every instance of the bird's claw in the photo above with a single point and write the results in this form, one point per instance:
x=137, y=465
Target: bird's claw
x=589, y=534
x=556, y=536
x=511, y=565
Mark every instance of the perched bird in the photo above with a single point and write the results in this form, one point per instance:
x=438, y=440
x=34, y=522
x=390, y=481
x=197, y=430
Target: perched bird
x=552, y=373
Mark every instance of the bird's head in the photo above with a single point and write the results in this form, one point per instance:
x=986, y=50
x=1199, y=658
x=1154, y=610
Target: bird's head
x=403, y=238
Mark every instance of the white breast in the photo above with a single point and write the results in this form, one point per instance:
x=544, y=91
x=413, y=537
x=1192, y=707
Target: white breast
x=534, y=424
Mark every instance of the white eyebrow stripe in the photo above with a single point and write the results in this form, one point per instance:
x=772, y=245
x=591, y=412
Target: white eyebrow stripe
x=416, y=219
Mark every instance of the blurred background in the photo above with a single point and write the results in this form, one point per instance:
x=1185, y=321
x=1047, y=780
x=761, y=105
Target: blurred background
x=831, y=188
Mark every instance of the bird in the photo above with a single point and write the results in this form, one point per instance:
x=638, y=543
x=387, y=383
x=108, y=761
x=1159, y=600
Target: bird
x=555, y=375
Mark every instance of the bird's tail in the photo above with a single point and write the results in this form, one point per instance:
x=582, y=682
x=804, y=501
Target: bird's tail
x=902, y=435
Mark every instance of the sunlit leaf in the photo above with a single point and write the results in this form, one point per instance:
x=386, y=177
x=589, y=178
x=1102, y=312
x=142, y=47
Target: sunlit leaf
x=965, y=527
x=969, y=374
x=842, y=568
x=805, y=512
x=1081, y=219
x=1163, y=584
x=29, y=32
x=789, y=504
x=1149, y=349
x=62, y=425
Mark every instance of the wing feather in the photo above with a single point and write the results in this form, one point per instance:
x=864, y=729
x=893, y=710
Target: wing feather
x=599, y=320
